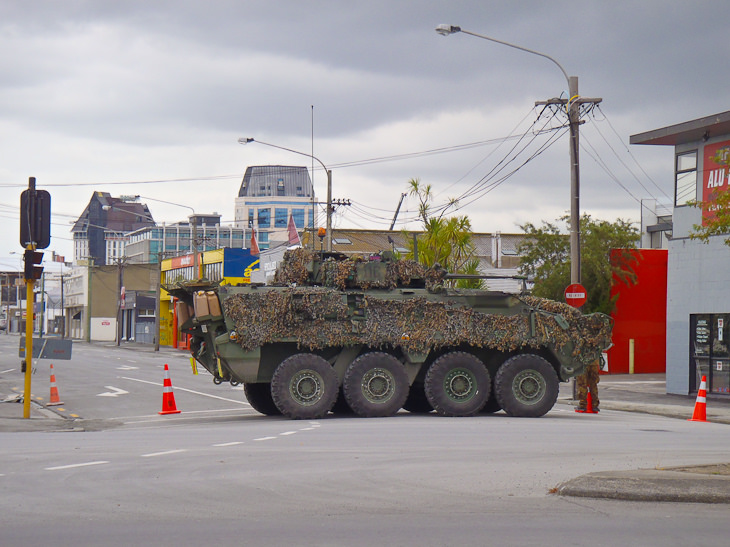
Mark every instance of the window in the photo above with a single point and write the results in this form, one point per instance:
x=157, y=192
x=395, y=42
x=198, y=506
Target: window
x=280, y=187
x=282, y=218
x=300, y=192
x=264, y=218
x=311, y=218
x=250, y=218
x=686, y=178
x=298, y=215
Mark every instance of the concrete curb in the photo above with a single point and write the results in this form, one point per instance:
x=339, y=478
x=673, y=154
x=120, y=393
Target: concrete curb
x=650, y=485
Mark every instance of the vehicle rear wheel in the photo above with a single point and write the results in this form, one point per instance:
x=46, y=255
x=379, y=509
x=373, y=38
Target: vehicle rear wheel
x=376, y=385
x=417, y=402
x=260, y=399
x=526, y=386
x=304, y=387
x=457, y=384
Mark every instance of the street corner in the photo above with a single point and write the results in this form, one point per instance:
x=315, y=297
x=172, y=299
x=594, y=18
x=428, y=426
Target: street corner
x=692, y=484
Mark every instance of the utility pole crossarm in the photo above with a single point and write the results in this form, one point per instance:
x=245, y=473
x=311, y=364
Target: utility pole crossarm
x=578, y=100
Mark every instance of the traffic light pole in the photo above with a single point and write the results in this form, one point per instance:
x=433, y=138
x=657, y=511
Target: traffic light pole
x=28, y=342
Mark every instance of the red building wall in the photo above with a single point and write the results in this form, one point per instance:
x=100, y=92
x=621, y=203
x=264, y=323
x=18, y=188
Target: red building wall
x=641, y=315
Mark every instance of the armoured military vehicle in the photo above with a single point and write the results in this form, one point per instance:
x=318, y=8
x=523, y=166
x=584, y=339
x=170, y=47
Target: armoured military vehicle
x=373, y=335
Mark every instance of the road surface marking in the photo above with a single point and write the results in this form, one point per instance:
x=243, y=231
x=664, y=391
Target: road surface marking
x=72, y=466
x=287, y=433
x=127, y=367
x=9, y=370
x=234, y=443
x=308, y=429
x=165, y=453
x=609, y=383
x=188, y=390
x=115, y=391
x=265, y=439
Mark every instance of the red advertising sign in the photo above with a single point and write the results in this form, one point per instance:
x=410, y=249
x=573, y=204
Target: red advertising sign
x=714, y=178
x=576, y=295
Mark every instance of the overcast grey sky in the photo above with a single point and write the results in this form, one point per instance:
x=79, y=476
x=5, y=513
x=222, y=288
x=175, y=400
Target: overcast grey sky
x=155, y=94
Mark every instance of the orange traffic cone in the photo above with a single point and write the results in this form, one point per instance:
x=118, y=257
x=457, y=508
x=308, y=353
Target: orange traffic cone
x=168, y=397
x=700, y=412
x=589, y=405
x=55, y=399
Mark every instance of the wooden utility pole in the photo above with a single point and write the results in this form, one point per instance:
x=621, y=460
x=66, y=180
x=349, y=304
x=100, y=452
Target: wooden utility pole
x=572, y=106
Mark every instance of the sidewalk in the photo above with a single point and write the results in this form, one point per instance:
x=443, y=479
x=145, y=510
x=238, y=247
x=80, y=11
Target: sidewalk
x=647, y=393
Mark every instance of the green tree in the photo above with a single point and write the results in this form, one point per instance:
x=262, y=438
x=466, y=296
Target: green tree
x=445, y=240
x=718, y=223
x=545, y=257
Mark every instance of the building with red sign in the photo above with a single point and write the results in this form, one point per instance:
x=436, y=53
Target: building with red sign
x=698, y=274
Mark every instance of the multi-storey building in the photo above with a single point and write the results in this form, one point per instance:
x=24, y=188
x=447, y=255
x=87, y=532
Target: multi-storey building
x=101, y=232
x=269, y=195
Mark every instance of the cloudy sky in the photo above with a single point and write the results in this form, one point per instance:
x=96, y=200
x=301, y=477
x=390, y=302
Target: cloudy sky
x=149, y=98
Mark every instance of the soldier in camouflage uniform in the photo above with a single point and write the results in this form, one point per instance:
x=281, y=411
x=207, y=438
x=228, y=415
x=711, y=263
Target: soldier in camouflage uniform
x=589, y=380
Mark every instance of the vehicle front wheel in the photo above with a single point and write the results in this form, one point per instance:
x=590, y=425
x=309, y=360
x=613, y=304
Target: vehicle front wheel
x=526, y=386
x=304, y=387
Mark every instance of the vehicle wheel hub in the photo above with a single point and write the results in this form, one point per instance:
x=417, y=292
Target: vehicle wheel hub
x=378, y=385
x=529, y=387
x=306, y=387
x=459, y=384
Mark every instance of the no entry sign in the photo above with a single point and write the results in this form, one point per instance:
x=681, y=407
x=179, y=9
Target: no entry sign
x=576, y=295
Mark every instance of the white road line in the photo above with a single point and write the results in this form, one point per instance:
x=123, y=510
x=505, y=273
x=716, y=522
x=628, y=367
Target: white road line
x=287, y=433
x=265, y=439
x=9, y=370
x=308, y=429
x=165, y=453
x=188, y=390
x=234, y=443
x=86, y=464
x=610, y=383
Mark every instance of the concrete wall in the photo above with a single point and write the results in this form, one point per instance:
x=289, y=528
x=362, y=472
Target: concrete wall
x=697, y=280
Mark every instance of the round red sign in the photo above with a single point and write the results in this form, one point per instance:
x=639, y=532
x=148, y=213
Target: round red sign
x=576, y=295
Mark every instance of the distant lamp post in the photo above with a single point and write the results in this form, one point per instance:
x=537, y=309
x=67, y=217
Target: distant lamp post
x=247, y=140
x=573, y=108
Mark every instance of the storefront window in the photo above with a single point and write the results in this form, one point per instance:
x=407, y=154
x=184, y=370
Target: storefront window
x=709, y=351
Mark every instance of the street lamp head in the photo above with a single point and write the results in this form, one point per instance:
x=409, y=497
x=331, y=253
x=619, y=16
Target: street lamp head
x=245, y=140
x=445, y=30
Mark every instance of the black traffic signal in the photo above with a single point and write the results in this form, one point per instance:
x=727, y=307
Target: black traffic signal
x=33, y=269
x=35, y=218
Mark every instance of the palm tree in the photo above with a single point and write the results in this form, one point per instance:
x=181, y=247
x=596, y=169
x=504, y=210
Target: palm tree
x=445, y=240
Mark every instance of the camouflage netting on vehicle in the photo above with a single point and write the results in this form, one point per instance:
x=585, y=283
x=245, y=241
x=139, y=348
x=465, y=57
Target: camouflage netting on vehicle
x=342, y=274
x=318, y=317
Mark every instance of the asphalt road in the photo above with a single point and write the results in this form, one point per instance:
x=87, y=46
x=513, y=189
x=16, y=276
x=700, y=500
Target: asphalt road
x=220, y=474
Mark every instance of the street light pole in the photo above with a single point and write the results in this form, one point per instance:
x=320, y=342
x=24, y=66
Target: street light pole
x=247, y=140
x=572, y=105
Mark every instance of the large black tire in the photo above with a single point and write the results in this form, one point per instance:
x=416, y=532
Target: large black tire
x=457, y=384
x=375, y=385
x=304, y=387
x=260, y=399
x=526, y=386
x=417, y=402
